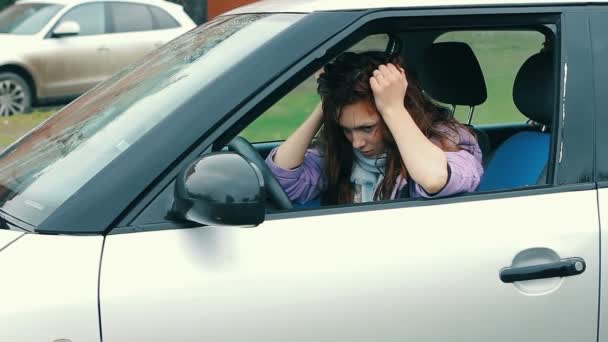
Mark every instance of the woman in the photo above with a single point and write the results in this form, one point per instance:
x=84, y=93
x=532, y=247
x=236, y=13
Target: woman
x=381, y=138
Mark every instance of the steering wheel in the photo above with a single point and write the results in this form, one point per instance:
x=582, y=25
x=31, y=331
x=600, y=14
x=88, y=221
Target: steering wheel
x=271, y=185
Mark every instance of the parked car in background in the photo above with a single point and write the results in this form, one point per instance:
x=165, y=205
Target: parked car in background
x=56, y=50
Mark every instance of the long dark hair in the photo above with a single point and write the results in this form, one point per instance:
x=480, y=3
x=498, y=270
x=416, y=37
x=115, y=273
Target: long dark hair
x=345, y=81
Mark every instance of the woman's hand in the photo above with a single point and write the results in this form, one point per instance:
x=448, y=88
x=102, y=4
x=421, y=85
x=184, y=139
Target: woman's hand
x=389, y=86
x=425, y=162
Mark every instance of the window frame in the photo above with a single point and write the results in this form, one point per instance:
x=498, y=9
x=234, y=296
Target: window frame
x=67, y=11
x=157, y=25
x=112, y=23
x=561, y=174
x=598, y=27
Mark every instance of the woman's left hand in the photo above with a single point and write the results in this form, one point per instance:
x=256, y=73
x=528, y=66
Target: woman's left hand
x=389, y=86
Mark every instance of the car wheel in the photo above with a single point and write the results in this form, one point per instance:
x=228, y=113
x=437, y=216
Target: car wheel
x=15, y=94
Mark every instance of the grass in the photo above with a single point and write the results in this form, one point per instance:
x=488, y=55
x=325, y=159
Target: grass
x=500, y=54
x=13, y=127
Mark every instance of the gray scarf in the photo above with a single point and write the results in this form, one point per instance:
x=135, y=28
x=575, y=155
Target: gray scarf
x=367, y=174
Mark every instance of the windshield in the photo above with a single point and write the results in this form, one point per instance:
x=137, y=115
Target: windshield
x=46, y=167
x=27, y=18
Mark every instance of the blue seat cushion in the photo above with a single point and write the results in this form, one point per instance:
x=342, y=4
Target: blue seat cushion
x=519, y=161
x=313, y=203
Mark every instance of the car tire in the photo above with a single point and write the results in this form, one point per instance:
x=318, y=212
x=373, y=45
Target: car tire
x=15, y=94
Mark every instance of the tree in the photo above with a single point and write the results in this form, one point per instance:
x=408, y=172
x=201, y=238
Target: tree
x=196, y=9
x=5, y=3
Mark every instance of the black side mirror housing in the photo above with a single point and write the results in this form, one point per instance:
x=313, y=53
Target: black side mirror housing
x=221, y=188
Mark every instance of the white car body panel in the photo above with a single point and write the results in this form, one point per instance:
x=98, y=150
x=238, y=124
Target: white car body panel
x=369, y=276
x=49, y=288
x=7, y=237
x=307, y=6
x=603, y=323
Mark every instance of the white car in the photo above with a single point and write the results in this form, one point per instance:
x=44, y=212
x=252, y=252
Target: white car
x=143, y=211
x=54, y=50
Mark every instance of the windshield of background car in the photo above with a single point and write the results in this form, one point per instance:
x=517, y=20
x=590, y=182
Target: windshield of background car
x=27, y=18
x=46, y=167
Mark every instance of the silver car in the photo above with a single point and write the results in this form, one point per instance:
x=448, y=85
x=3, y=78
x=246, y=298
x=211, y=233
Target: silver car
x=55, y=50
x=144, y=211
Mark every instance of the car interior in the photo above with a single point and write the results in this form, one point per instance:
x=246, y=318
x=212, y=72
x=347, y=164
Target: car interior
x=516, y=153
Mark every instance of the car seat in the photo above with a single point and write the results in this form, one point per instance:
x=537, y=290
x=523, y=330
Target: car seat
x=522, y=159
x=450, y=73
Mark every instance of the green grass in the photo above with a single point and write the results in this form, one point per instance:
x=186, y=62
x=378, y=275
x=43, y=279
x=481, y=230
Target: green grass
x=13, y=127
x=500, y=54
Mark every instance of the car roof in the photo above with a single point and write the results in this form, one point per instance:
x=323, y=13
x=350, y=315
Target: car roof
x=307, y=6
x=160, y=3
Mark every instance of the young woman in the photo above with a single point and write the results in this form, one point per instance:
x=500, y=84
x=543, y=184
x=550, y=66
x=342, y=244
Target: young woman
x=380, y=138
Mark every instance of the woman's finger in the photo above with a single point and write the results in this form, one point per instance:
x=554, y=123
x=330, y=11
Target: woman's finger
x=394, y=70
x=373, y=82
x=386, y=72
x=382, y=81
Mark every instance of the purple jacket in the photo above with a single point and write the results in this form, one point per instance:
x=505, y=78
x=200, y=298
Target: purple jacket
x=307, y=181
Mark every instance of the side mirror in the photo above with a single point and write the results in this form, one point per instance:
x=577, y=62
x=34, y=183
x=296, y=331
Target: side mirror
x=220, y=189
x=66, y=29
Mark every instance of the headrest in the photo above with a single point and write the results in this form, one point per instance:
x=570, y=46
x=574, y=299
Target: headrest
x=534, y=87
x=450, y=73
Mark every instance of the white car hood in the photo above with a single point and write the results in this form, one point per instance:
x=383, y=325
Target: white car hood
x=7, y=237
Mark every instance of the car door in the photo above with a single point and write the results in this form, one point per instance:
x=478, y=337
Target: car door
x=599, y=27
x=391, y=271
x=75, y=64
x=51, y=280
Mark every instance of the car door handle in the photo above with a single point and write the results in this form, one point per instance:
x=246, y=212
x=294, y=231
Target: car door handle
x=563, y=268
x=103, y=49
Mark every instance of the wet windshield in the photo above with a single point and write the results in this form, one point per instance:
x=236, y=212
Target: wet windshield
x=46, y=167
x=27, y=18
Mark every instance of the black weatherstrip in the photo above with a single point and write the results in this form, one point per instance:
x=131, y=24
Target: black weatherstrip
x=599, y=28
x=472, y=197
x=599, y=283
x=12, y=242
x=103, y=245
x=574, y=154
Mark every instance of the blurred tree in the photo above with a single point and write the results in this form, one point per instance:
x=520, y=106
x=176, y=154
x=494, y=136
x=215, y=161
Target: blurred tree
x=5, y=3
x=196, y=9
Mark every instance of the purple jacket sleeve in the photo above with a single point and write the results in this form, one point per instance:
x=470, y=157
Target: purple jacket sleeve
x=464, y=166
x=303, y=183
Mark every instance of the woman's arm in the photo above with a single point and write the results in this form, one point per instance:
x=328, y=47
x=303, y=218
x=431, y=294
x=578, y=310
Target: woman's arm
x=291, y=152
x=464, y=166
x=298, y=169
x=426, y=163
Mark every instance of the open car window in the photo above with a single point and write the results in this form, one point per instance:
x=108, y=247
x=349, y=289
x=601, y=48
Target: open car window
x=501, y=55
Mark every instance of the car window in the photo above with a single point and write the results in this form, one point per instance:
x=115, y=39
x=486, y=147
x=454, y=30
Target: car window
x=163, y=19
x=130, y=17
x=500, y=54
x=46, y=167
x=287, y=114
x=90, y=17
x=27, y=18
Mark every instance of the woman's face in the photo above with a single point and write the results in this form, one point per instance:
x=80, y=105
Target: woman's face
x=362, y=127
